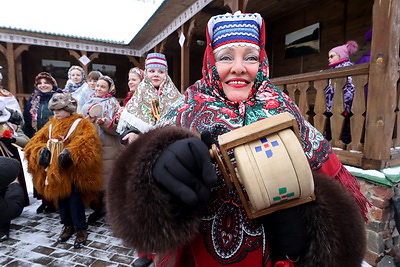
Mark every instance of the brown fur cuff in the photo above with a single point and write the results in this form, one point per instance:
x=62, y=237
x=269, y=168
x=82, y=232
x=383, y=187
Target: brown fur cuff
x=335, y=225
x=141, y=213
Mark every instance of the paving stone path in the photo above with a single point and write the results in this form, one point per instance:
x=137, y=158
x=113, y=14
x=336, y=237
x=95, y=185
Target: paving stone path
x=33, y=243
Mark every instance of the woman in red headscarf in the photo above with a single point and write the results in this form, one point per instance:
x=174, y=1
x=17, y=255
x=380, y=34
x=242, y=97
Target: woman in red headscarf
x=180, y=206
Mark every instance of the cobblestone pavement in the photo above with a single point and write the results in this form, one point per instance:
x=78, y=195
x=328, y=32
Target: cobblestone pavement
x=33, y=243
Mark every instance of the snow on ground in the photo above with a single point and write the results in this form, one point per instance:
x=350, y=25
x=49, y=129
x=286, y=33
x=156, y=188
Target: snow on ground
x=42, y=236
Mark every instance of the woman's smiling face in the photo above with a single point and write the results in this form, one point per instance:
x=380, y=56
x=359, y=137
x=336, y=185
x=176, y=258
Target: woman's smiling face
x=102, y=88
x=237, y=68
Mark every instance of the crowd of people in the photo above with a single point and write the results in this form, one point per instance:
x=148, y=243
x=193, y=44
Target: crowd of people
x=145, y=163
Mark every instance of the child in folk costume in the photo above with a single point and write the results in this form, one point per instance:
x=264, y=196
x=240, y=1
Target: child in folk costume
x=107, y=106
x=180, y=206
x=64, y=158
x=339, y=57
x=154, y=96
x=92, y=79
x=135, y=77
x=77, y=86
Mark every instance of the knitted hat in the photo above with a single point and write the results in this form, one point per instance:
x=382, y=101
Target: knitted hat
x=344, y=51
x=63, y=101
x=4, y=113
x=156, y=60
x=47, y=76
x=9, y=170
x=235, y=29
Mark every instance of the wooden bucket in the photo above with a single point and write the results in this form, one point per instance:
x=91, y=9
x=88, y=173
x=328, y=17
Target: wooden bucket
x=271, y=165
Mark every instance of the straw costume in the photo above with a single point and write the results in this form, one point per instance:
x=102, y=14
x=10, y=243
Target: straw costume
x=84, y=144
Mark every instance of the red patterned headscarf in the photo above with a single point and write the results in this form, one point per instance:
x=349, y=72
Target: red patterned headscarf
x=206, y=108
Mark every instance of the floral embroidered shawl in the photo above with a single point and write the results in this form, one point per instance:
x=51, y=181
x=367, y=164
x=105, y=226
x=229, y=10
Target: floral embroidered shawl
x=206, y=108
x=139, y=106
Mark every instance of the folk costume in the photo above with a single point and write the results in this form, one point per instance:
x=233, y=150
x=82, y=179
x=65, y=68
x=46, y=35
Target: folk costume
x=139, y=111
x=71, y=172
x=80, y=91
x=344, y=52
x=108, y=136
x=36, y=111
x=220, y=233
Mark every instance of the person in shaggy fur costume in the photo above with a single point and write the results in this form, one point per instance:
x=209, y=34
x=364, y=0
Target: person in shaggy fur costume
x=167, y=196
x=64, y=158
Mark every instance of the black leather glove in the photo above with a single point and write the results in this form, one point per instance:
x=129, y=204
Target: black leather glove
x=184, y=169
x=64, y=159
x=8, y=141
x=286, y=233
x=124, y=133
x=44, y=157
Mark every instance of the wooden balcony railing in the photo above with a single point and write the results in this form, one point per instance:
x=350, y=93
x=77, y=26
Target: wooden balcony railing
x=307, y=90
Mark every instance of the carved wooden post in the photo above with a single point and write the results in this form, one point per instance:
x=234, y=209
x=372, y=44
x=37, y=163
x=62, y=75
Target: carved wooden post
x=12, y=83
x=383, y=77
x=187, y=31
x=17, y=56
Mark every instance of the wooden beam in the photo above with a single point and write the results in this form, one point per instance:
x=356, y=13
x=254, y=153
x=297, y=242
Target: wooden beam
x=236, y=5
x=93, y=56
x=12, y=83
x=382, y=84
x=134, y=61
x=78, y=56
x=160, y=47
x=3, y=50
x=20, y=49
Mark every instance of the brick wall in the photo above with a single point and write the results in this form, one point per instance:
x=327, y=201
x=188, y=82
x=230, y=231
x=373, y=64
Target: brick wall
x=382, y=234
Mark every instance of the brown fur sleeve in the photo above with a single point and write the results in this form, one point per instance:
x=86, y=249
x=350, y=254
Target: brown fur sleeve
x=139, y=211
x=335, y=225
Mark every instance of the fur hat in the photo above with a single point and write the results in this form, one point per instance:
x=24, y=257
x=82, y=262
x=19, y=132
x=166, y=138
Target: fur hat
x=344, y=51
x=156, y=60
x=63, y=101
x=47, y=76
x=4, y=113
x=9, y=170
x=235, y=29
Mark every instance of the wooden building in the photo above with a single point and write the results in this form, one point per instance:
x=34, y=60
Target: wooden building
x=374, y=125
